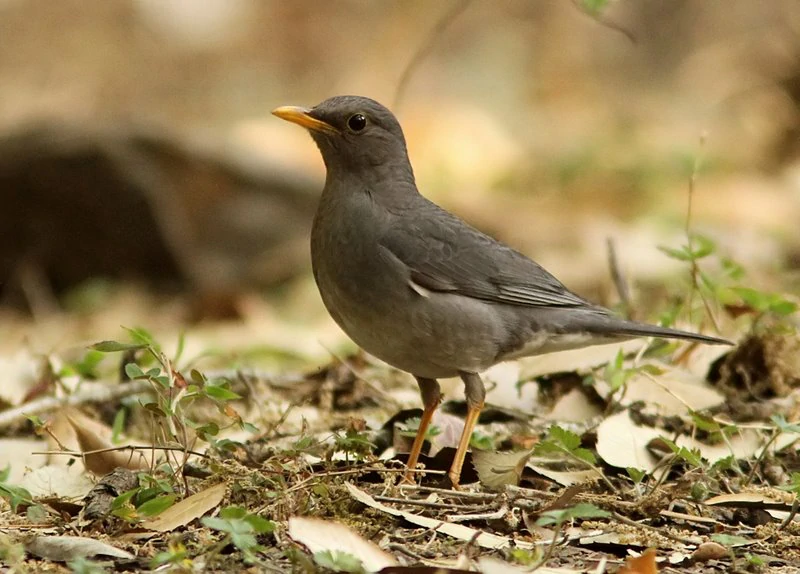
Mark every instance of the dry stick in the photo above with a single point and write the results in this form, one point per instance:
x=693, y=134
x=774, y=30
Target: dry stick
x=424, y=48
x=78, y=454
x=693, y=267
x=424, y=503
x=792, y=514
x=619, y=281
x=95, y=392
x=597, y=17
x=493, y=515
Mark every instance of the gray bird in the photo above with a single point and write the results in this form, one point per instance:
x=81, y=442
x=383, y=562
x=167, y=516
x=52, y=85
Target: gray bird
x=418, y=287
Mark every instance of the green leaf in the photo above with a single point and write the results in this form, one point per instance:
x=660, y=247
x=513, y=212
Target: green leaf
x=783, y=425
x=594, y=7
x=567, y=439
x=220, y=393
x=134, y=371
x=142, y=336
x=118, y=424
x=116, y=346
x=585, y=455
x=232, y=513
x=581, y=511
x=637, y=475
x=679, y=254
x=260, y=525
x=729, y=540
x=156, y=505
x=338, y=561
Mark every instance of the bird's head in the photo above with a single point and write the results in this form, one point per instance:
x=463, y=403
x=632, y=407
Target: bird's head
x=353, y=133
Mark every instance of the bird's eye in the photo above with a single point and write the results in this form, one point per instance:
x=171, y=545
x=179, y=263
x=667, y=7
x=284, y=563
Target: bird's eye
x=357, y=122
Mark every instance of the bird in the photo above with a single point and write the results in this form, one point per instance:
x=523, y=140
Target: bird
x=416, y=286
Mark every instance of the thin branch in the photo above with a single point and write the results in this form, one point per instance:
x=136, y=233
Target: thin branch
x=424, y=49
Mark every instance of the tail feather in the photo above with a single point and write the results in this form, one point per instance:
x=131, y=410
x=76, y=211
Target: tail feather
x=634, y=329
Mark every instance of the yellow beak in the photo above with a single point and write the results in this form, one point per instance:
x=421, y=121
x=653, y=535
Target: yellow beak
x=301, y=117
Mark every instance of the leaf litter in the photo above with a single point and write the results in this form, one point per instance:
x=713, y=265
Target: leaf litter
x=670, y=461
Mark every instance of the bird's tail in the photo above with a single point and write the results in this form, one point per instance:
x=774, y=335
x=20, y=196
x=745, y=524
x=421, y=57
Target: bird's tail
x=634, y=329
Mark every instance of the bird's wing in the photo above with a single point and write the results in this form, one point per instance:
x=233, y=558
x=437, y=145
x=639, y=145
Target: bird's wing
x=444, y=254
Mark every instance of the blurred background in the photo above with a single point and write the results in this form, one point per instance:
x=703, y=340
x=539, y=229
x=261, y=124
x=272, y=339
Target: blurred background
x=143, y=180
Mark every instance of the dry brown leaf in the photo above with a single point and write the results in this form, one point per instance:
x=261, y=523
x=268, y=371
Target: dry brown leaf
x=498, y=469
x=672, y=393
x=105, y=461
x=742, y=445
x=566, y=477
x=574, y=406
x=644, y=564
x=623, y=444
x=64, y=548
x=710, y=551
x=323, y=535
x=183, y=512
x=776, y=499
x=18, y=454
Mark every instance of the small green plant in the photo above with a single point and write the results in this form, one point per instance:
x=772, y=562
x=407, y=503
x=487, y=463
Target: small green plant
x=16, y=496
x=563, y=441
x=409, y=428
x=353, y=443
x=526, y=557
x=481, y=441
x=560, y=441
x=240, y=529
x=339, y=561
x=173, y=393
x=175, y=555
x=82, y=565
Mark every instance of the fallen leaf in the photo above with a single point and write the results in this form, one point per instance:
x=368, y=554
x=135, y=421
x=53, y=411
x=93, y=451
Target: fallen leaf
x=188, y=509
x=64, y=548
x=105, y=461
x=323, y=535
x=710, y=551
x=459, y=531
x=672, y=393
x=566, y=477
x=644, y=564
x=498, y=469
x=61, y=481
x=623, y=444
x=743, y=445
x=574, y=406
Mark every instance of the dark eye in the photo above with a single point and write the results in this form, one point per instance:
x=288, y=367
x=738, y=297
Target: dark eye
x=357, y=122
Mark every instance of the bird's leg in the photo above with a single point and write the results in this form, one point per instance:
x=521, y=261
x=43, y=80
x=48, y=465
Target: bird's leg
x=431, y=397
x=475, y=393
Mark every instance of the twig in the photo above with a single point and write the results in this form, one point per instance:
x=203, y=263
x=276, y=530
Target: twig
x=494, y=515
x=444, y=491
x=424, y=48
x=423, y=503
x=694, y=268
x=597, y=17
x=87, y=393
x=788, y=520
x=79, y=454
x=619, y=281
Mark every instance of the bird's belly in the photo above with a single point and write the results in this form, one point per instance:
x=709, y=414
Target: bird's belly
x=435, y=336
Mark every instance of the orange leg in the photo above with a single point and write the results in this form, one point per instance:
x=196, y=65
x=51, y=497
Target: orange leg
x=475, y=393
x=431, y=397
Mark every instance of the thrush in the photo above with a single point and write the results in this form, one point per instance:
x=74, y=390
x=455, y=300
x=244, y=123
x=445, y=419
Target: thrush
x=416, y=286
